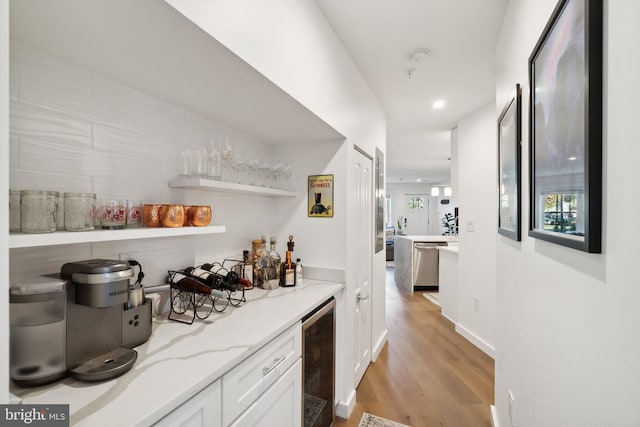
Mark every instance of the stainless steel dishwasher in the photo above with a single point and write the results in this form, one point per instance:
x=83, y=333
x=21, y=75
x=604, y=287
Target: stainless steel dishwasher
x=425, y=263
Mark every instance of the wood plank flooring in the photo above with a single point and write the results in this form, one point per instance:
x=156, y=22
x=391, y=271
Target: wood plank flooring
x=427, y=374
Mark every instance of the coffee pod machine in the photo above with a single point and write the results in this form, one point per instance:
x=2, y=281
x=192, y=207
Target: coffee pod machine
x=91, y=320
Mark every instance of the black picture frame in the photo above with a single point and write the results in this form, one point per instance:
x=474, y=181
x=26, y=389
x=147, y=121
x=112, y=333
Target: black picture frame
x=565, y=128
x=509, y=168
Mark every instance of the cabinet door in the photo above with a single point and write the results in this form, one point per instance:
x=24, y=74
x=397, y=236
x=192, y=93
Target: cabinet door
x=280, y=405
x=202, y=410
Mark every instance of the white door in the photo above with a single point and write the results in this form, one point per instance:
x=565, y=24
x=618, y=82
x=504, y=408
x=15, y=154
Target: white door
x=417, y=214
x=363, y=195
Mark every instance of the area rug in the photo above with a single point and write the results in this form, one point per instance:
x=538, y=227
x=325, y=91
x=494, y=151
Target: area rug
x=369, y=420
x=434, y=297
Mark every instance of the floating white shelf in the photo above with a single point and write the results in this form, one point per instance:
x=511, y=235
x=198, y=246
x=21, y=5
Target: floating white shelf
x=23, y=240
x=230, y=187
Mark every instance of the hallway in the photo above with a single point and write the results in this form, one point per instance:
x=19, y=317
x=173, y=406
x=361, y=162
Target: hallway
x=427, y=374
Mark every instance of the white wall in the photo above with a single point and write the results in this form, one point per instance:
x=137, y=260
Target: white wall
x=477, y=188
x=566, y=338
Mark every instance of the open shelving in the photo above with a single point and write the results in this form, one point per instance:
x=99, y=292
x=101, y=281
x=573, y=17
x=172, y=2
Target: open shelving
x=192, y=183
x=24, y=240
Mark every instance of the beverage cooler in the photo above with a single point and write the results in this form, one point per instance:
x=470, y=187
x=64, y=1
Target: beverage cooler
x=318, y=365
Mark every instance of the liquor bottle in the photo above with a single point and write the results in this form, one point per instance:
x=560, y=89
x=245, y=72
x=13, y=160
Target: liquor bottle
x=191, y=284
x=247, y=269
x=288, y=268
x=288, y=271
x=298, y=270
x=256, y=259
x=272, y=273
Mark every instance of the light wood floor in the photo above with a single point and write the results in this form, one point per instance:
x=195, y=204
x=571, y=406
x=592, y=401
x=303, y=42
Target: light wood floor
x=427, y=374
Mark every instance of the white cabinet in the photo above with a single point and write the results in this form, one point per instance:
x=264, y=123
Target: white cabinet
x=250, y=379
x=202, y=410
x=280, y=405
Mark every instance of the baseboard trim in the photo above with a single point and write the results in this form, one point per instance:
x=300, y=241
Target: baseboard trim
x=344, y=409
x=476, y=340
x=379, y=345
x=494, y=416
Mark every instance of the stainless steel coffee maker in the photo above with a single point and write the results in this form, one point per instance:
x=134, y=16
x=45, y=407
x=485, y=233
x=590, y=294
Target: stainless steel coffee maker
x=86, y=312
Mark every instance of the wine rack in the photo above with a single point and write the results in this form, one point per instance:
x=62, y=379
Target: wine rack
x=198, y=300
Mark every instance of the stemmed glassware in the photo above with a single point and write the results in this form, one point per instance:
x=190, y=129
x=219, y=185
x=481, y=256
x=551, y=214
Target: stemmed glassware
x=226, y=154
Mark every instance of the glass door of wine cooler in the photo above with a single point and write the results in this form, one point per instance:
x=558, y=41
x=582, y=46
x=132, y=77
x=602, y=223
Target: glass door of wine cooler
x=318, y=369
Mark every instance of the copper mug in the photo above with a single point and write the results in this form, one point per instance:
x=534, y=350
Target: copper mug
x=188, y=213
x=200, y=215
x=151, y=215
x=172, y=215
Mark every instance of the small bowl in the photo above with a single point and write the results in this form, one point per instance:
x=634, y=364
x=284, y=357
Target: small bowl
x=172, y=215
x=200, y=216
x=151, y=215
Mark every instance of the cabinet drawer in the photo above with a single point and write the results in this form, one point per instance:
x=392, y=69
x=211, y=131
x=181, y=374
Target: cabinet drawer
x=246, y=382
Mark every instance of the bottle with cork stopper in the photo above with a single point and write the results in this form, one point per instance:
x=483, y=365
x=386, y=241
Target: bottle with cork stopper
x=288, y=267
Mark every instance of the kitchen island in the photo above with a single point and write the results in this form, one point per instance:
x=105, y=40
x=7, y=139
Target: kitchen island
x=405, y=266
x=181, y=360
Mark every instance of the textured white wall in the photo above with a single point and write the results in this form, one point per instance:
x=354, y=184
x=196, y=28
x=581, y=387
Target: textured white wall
x=566, y=338
x=72, y=130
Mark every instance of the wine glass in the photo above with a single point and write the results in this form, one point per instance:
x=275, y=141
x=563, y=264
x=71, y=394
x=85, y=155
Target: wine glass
x=226, y=154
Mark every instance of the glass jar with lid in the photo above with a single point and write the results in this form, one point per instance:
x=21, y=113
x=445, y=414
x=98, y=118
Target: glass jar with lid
x=38, y=211
x=79, y=211
x=14, y=210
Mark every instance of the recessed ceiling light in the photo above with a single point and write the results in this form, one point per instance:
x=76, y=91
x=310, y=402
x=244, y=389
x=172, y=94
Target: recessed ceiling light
x=572, y=158
x=418, y=180
x=439, y=104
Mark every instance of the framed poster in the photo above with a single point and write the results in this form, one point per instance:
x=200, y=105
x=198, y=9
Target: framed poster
x=565, y=127
x=509, y=178
x=320, y=197
x=380, y=201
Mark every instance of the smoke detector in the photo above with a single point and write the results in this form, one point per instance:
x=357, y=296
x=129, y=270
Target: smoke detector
x=419, y=55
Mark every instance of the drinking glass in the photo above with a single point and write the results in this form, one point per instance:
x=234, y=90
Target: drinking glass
x=113, y=214
x=213, y=161
x=134, y=213
x=226, y=154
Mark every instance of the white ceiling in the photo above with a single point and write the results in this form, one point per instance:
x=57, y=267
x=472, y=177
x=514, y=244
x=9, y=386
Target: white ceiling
x=461, y=37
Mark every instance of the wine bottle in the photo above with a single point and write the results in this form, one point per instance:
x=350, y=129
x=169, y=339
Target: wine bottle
x=288, y=271
x=191, y=284
x=205, y=276
x=230, y=277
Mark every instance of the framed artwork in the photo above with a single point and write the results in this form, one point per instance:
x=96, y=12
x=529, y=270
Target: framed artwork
x=320, y=197
x=509, y=175
x=565, y=128
x=380, y=201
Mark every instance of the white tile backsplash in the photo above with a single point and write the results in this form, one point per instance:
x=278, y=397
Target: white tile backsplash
x=72, y=130
x=32, y=122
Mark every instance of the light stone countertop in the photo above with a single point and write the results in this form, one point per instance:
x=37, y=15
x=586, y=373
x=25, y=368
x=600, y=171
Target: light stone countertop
x=179, y=360
x=428, y=238
x=450, y=248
